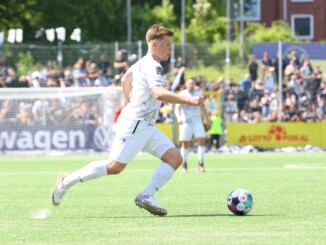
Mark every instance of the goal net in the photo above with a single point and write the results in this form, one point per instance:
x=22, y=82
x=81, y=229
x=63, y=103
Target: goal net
x=56, y=119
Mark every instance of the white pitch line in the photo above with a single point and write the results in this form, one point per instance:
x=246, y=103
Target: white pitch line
x=305, y=166
x=40, y=214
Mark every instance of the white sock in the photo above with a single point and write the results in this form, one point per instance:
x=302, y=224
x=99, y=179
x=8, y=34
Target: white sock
x=201, y=153
x=91, y=171
x=160, y=177
x=184, y=154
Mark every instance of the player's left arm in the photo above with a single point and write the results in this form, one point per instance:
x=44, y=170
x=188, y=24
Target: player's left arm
x=126, y=82
x=206, y=116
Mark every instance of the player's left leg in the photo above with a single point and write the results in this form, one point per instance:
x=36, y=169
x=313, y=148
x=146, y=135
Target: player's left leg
x=185, y=136
x=201, y=154
x=161, y=147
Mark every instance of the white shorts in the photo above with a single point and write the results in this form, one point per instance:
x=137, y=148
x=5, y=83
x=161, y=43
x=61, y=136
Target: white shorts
x=188, y=130
x=133, y=136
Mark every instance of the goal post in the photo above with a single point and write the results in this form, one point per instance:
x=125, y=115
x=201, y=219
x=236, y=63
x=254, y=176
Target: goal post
x=57, y=119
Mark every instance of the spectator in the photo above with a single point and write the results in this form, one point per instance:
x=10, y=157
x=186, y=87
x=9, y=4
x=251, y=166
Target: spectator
x=306, y=70
x=246, y=84
x=23, y=82
x=49, y=70
x=293, y=56
x=253, y=68
x=120, y=64
x=215, y=131
x=104, y=64
x=165, y=114
x=242, y=97
x=68, y=79
x=312, y=87
x=178, y=65
x=264, y=103
x=133, y=59
x=52, y=82
x=201, y=84
x=295, y=86
x=289, y=69
x=79, y=75
x=268, y=78
x=24, y=116
x=40, y=111
x=266, y=61
x=220, y=85
x=276, y=65
x=56, y=115
x=38, y=77
x=94, y=73
x=2, y=81
x=230, y=108
x=4, y=109
x=321, y=107
x=243, y=117
x=11, y=80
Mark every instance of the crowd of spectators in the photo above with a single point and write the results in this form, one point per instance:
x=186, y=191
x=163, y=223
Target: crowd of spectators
x=256, y=98
x=259, y=98
x=55, y=111
x=84, y=73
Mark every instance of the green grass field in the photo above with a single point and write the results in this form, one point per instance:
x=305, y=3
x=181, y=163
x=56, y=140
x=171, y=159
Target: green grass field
x=288, y=188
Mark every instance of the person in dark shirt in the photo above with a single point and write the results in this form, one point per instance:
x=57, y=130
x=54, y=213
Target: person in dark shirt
x=253, y=68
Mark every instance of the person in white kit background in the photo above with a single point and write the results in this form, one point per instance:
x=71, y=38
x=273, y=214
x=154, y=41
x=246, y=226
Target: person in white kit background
x=191, y=124
x=143, y=88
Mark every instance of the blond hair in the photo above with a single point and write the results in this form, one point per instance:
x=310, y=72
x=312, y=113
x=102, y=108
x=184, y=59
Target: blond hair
x=157, y=32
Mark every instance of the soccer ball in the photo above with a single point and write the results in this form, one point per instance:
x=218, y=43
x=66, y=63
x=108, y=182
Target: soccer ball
x=240, y=201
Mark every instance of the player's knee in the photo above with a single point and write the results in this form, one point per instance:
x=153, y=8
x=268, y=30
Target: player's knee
x=173, y=158
x=177, y=160
x=115, y=167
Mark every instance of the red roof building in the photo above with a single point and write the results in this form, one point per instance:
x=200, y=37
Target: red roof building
x=307, y=18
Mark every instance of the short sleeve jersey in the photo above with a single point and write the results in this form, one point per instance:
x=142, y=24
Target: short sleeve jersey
x=146, y=73
x=188, y=112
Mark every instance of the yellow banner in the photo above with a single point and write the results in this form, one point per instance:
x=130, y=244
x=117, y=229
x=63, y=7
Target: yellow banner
x=276, y=134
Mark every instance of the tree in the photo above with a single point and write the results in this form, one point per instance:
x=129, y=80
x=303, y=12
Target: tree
x=206, y=25
x=259, y=33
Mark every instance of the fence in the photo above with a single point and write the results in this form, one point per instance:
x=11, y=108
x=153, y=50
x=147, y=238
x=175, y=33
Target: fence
x=195, y=53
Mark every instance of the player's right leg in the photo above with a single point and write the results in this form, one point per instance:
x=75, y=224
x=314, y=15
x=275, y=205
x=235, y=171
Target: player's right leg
x=184, y=153
x=185, y=136
x=91, y=171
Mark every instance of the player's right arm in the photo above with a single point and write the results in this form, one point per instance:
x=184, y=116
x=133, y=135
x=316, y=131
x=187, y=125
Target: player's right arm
x=126, y=82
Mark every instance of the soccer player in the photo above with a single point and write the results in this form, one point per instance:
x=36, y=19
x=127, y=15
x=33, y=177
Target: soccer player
x=191, y=124
x=143, y=88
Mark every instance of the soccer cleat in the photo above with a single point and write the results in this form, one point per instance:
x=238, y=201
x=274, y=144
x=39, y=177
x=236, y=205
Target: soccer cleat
x=185, y=170
x=149, y=203
x=201, y=169
x=59, y=190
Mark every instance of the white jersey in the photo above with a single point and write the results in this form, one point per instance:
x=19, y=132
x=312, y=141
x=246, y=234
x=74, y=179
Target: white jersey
x=190, y=113
x=146, y=73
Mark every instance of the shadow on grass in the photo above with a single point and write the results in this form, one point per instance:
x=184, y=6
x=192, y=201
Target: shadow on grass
x=186, y=216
